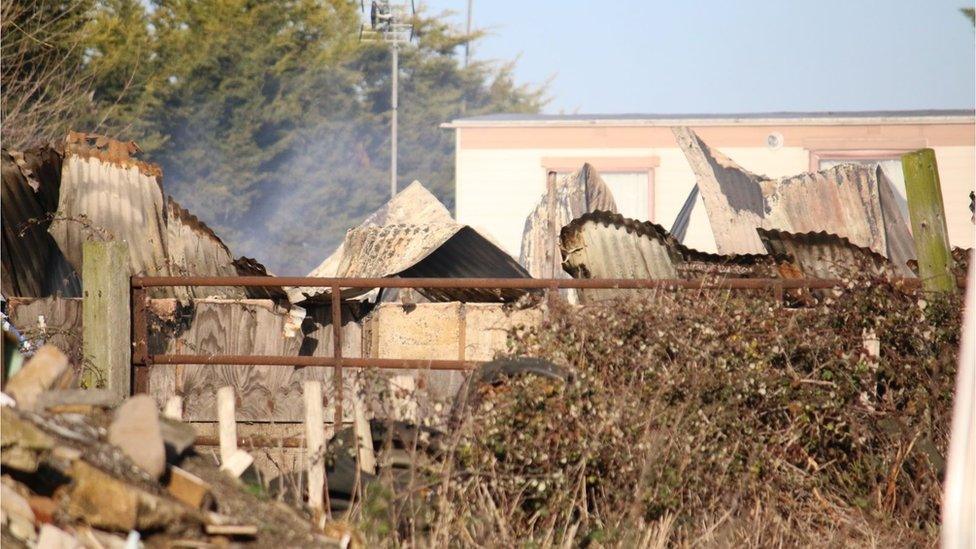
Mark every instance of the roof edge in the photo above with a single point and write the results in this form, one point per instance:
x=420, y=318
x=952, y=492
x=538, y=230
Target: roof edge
x=826, y=118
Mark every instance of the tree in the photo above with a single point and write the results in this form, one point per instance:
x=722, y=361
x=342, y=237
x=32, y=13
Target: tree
x=269, y=119
x=45, y=84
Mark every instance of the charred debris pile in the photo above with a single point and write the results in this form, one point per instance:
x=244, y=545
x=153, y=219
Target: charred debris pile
x=81, y=468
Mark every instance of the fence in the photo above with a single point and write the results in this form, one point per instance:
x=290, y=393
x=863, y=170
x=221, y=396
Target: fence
x=142, y=359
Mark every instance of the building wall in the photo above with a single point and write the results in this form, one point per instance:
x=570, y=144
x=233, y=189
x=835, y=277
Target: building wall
x=501, y=173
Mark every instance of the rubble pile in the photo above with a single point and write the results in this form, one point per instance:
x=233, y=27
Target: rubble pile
x=81, y=469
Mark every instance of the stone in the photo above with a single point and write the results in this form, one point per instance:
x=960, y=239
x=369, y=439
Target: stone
x=93, y=398
x=39, y=374
x=135, y=430
x=52, y=537
x=44, y=508
x=188, y=488
x=103, y=501
x=21, y=441
x=177, y=436
x=19, y=516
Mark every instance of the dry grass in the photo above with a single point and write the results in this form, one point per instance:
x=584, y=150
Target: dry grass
x=712, y=420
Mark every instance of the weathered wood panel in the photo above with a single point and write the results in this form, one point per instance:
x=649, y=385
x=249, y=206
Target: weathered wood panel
x=439, y=331
x=244, y=327
x=53, y=320
x=106, y=335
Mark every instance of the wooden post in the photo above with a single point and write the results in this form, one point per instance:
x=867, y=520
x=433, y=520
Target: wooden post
x=364, y=436
x=105, y=317
x=927, y=213
x=315, y=445
x=552, y=248
x=174, y=408
x=227, y=422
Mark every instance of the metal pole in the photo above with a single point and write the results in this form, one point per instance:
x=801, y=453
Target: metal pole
x=467, y=45
x=393, y=122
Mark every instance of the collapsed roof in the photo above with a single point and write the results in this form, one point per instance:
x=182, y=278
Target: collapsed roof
x=576, y=194
x=606, y=245
x=413, y=235
x=851, y=201
x=91, y=187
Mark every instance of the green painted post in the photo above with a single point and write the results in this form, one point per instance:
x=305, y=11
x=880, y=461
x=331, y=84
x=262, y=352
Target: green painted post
x=927, y=214
x=106, y=347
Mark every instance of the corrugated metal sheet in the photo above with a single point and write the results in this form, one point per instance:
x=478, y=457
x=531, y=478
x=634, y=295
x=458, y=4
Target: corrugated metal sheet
x=33, y=265
x=413, y=205
x=824, y=255
x=576, y=194
x=248, y=266
x=608, y=245
x=434, y=250
x=852, y=201
x=106, y=194
x=195, y=250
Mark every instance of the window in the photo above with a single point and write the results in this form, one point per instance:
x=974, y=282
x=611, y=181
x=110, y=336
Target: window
x=631, y=180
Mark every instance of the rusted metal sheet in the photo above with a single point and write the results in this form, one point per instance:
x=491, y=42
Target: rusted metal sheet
x=606, y=245
x=413, y=205
x=576, y=194
x=194, y=249
x=824, y=255
x=852, y=201
x=422, y=251
x=107, y=194
x=33, y=265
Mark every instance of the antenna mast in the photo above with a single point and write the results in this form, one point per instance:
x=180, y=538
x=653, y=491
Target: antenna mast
x=390, y=21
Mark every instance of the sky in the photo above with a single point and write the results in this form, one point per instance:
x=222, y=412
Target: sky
x=696, y=56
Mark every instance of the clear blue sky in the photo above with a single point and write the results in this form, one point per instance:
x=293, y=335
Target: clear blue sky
x=723, y=56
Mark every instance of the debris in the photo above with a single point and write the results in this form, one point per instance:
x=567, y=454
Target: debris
x=22, y=441
x=52, y=537
x=44, y=508
x=177, y=436
x=96, y=398
x=576, y=194
x=188, y=488
x=38, y=374
x=608, y=245
x=136, y=431
x=104, y=501
x=232, y=529
x=823, y=255
x=438, y=251
x=17, y=510
x=413, y=235
x=237, y=463
x=851, y=201
x=174, y=408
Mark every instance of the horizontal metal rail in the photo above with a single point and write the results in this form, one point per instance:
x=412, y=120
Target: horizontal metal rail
x=301, y=361
x=496, y=283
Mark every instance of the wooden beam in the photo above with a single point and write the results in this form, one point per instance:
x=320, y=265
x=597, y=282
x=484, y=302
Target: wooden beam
x=927, y=213
x=227, y=418
x=315, y=453
x=105, y=317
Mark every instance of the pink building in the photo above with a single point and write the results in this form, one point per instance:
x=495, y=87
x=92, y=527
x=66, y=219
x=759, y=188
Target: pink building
x=502, y=159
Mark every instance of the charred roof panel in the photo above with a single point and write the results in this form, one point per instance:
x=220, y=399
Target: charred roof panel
x=576, y=194
x=106, y=194
x=413, y=205
x=434, y=250
x=195, y=250
x=33, y=265
x=605, y=245
x=851, y=201
x=824, y=255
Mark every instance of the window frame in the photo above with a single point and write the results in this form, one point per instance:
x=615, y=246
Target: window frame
x=609, y=164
